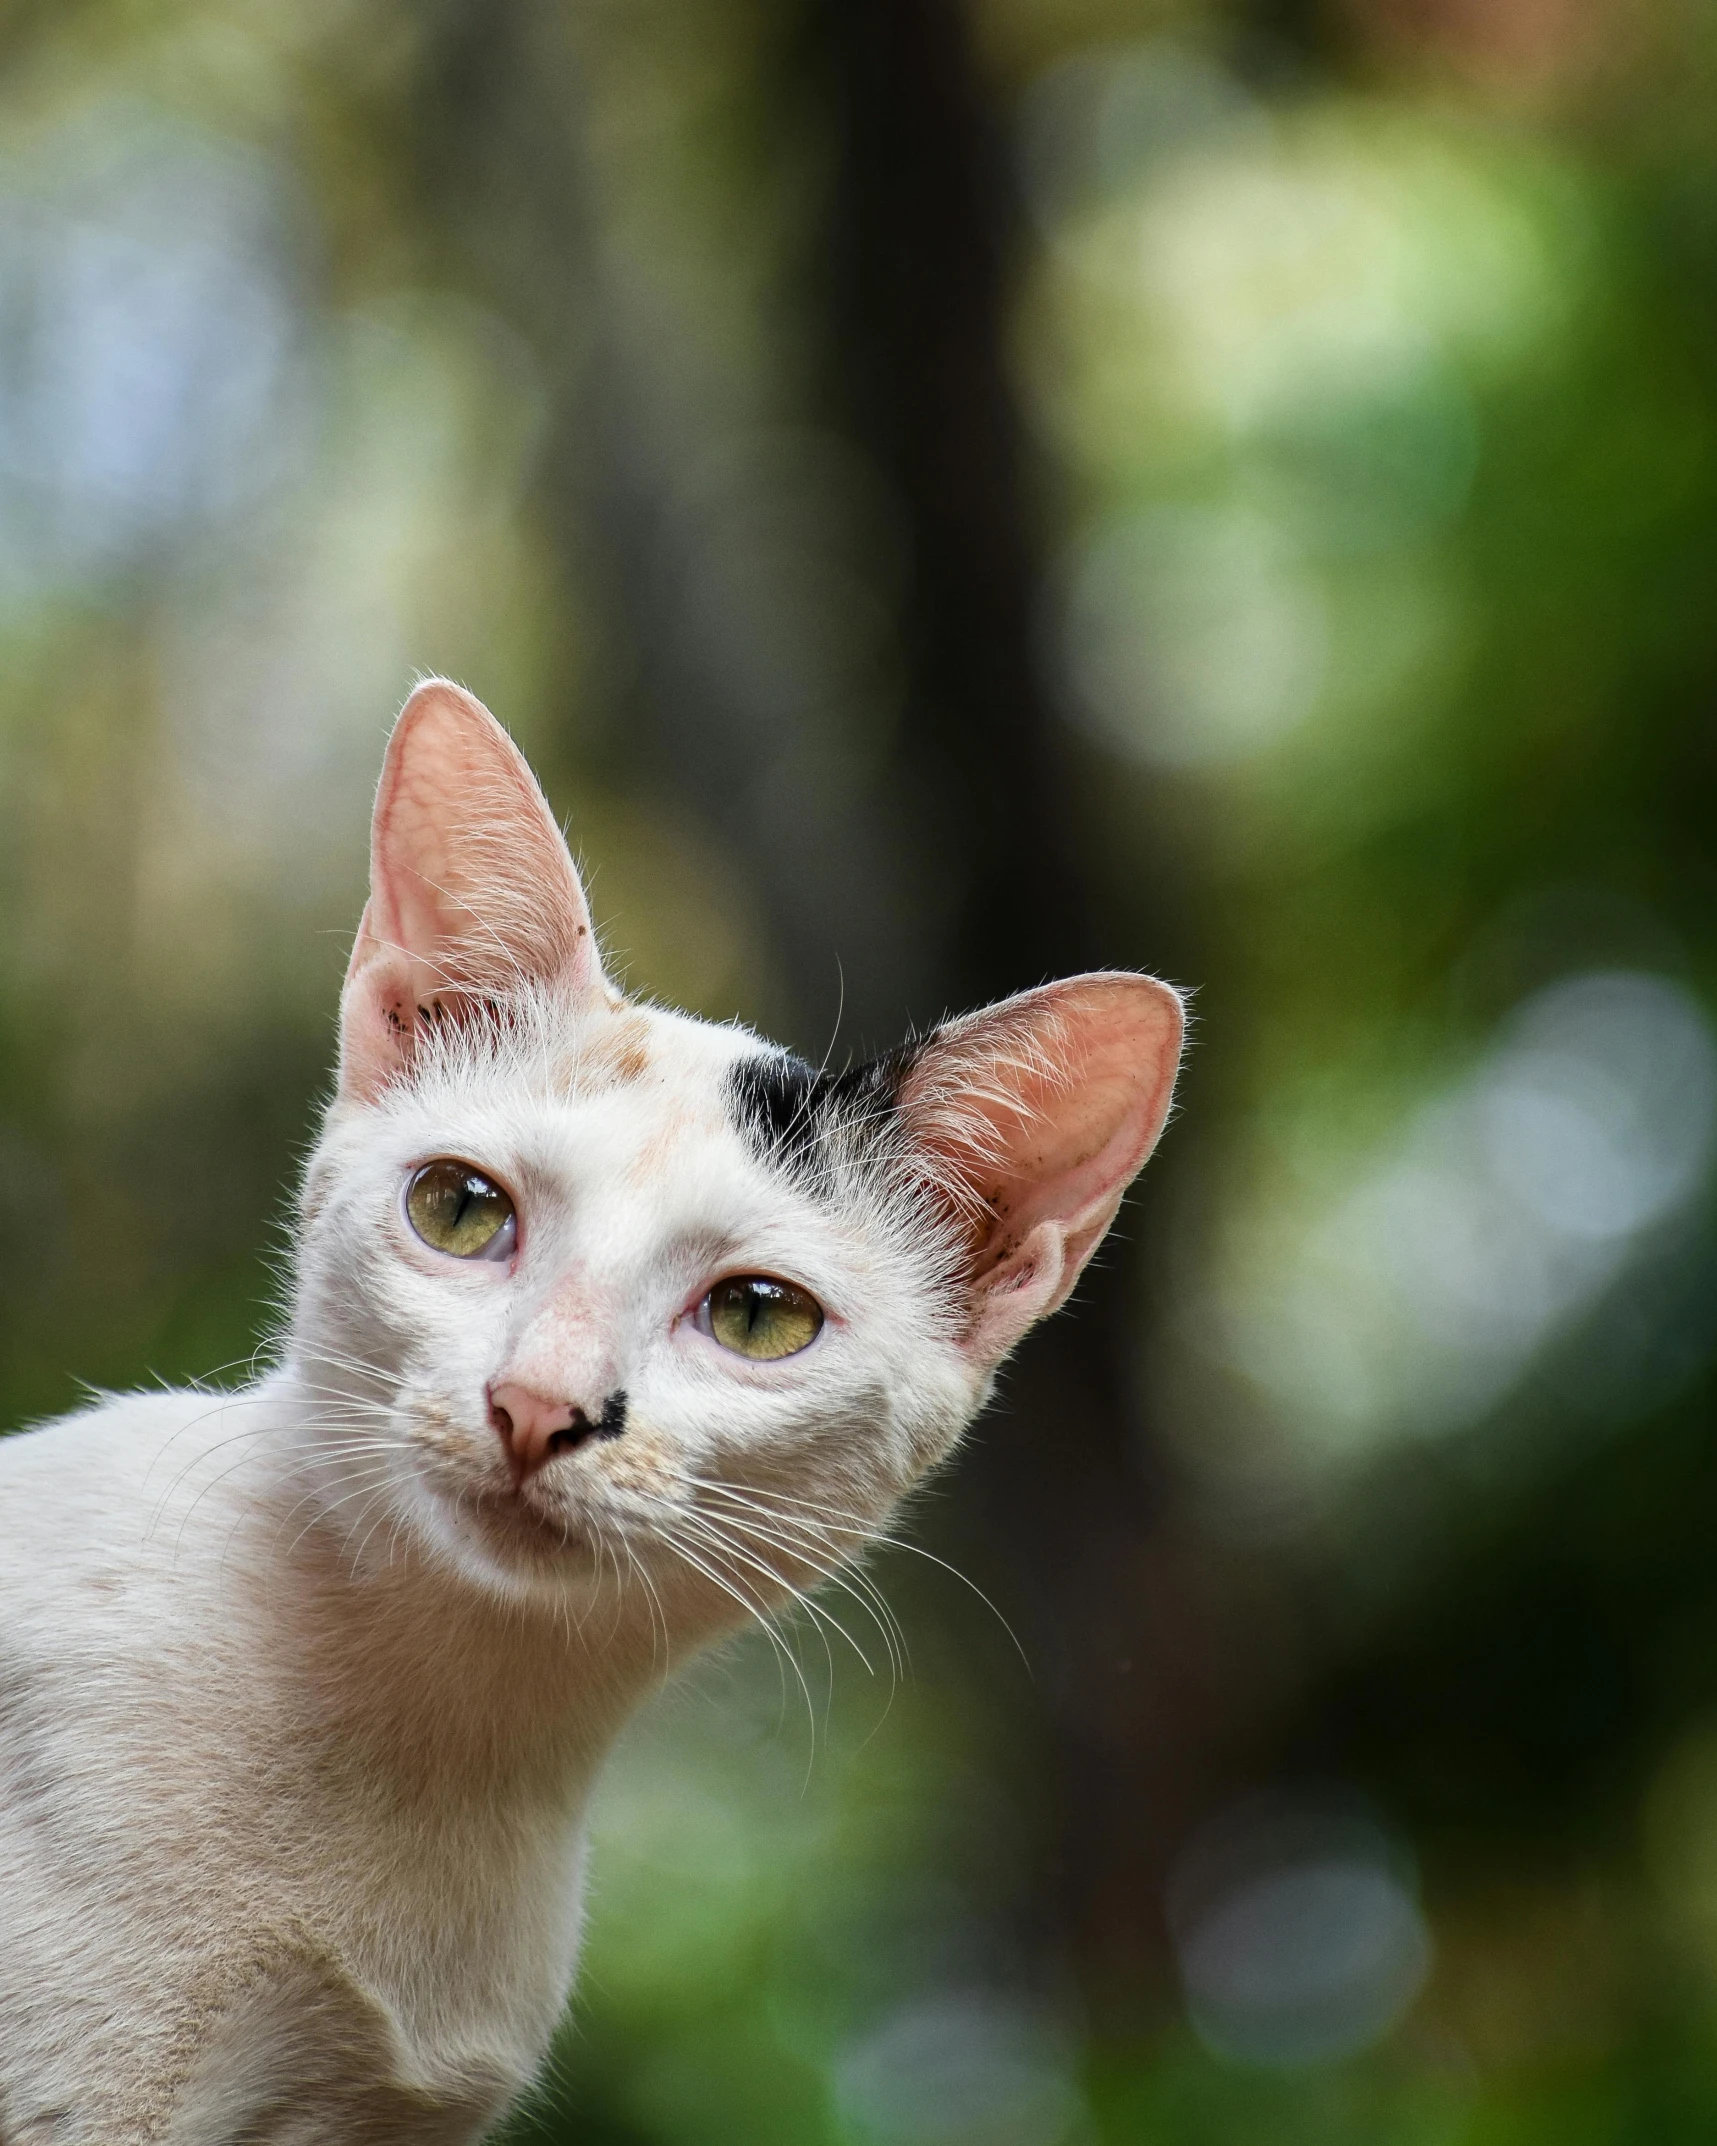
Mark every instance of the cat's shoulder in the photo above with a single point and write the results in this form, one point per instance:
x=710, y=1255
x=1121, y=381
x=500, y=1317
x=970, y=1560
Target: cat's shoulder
x=116, y=1431
x=99, y=1486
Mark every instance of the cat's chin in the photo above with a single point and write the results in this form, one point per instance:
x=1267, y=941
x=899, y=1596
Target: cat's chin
x=502, y=1541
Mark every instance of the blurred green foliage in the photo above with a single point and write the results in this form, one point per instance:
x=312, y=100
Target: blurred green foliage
x=944, y=493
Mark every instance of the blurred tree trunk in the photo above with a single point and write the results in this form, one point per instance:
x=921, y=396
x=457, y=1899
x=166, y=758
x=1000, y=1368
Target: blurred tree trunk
x=921, y=237
x=919, y=243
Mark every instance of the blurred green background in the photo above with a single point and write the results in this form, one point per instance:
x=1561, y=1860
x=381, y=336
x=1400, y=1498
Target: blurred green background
x=948, y=495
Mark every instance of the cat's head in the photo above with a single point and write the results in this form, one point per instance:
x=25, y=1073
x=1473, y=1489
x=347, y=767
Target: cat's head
x=593, y=1295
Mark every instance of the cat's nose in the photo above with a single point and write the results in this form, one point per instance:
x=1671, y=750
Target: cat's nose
x=533, y=1429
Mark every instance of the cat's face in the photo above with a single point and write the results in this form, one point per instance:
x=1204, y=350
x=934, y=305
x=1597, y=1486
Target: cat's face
x=673, y=1334
x=597, y=1299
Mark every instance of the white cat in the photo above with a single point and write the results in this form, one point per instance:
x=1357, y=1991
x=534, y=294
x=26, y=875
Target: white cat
x=610, y=1327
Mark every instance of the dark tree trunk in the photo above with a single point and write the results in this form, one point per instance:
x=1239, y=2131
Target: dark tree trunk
x=920, y=237
x=1053, y=1503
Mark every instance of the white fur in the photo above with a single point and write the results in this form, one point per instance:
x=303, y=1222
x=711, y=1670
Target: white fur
x=301, y=1696
x=287, y=1714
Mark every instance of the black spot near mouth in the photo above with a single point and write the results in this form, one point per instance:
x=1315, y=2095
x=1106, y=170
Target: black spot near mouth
x=609, y=1424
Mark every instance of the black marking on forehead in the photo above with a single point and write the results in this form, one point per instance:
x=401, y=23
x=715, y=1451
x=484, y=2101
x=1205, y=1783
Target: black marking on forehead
x=792, y=1114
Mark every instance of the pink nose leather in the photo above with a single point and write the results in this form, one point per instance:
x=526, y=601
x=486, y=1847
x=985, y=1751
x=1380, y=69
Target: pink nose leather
x=533, y=1428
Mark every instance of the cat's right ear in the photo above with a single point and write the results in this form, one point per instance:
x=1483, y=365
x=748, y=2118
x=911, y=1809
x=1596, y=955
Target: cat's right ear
x=473, y=893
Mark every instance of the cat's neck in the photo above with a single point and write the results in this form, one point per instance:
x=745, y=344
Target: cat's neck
x=419, y=1664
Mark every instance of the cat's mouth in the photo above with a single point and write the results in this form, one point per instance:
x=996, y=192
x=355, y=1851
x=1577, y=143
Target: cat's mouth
x=570, y=1518
x=516, y=1521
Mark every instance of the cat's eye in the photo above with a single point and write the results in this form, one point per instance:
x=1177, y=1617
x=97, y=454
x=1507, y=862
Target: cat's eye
x=456, y=1209
x=763, y=1319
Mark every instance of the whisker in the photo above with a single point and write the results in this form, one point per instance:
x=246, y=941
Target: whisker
x=720, y=1544
x=366, y=1487
x=864, y=1594
x=658, y=1614
x=752, y=1610
x=817, y=1612
x=847, y=1573
x=846, y=1522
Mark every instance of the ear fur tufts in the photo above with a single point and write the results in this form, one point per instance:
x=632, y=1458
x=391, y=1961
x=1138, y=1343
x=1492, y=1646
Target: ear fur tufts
x=1029, y=1120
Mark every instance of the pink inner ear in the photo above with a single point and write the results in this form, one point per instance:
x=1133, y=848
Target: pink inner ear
x=472, y=892
x=1033, y=1117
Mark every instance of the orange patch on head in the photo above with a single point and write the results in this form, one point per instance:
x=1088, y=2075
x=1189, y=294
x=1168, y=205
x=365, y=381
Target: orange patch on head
x=632, y=1061
x=611, y=1052
x=617, y=1055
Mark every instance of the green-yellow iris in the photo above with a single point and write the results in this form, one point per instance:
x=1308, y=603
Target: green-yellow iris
x=456, y=1209
x=762, y=1319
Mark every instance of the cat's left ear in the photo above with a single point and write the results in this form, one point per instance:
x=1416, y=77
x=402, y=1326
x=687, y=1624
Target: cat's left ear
x=1032, y=1118
x=473, y=893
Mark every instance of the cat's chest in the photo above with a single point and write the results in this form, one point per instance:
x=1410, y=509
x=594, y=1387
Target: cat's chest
x=292, y=2036
x=448, y=1890
x=435, y=1941
x=419, y=1936
x=256, y=1878
x=406, y=1810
